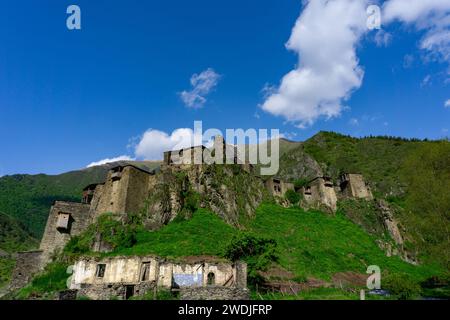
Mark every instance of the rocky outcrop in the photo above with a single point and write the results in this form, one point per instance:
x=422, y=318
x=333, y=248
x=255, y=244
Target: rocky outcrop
x=297, y=164
x=392, y=226
x=389, y=222
x=228, y=190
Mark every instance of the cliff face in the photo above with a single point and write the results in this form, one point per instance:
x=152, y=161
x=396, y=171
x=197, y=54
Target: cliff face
x=297, y=164
x=228, y=190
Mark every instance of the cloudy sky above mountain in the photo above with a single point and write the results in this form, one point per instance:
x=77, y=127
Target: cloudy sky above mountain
x=133, y=80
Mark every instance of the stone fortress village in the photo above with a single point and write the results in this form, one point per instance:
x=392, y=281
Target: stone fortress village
x=125, y=190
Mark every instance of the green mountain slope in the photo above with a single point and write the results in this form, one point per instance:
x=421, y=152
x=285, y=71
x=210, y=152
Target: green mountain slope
x=13, y=238
x=379, y=159
x=309, y=245
x=413, y=175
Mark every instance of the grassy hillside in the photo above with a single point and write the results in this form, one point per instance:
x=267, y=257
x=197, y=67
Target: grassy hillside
x=28, y=197
x=413, y=174
x=309, y=244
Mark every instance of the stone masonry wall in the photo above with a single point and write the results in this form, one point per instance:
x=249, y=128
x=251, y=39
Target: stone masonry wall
x=353, y=185
x=54, y=239
x=27, y=265
x=214, y=293
x=124, y=194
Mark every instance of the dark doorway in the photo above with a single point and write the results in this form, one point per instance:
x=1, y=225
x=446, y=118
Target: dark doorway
x=211, y=279
x=129, y=292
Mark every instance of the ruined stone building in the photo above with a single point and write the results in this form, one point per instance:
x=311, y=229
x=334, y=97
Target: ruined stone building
x=124, y=277
x=320, y=192
x=278, y=187
x=220, y=153
x=127, y=189
x=353, y=186
x=158, y=198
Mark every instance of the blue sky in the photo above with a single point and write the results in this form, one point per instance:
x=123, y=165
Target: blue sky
x=69, y=98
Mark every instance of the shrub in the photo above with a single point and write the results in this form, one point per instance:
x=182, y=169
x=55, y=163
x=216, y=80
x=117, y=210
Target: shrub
x=51, y=280
x=401, y=286
x=300, y=183
x=258, y=252
x=292, y=196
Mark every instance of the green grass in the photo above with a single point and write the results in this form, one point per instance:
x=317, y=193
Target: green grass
x=313, y=294
x=204, y=234
x=319, y=245
x=6, y=268
x=46, y=284
x=309, y=244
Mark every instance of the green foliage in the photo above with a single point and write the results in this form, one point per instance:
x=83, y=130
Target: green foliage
x=191, y=200
x=6, y=268
x=13, y=236
x=299, y=183
x=113, y=231
x=401, y=286
x=365, y=214
x=116, y=233
x=164, y=294
x=319, y=245
x=48, y=283
x=427, y=174
x=78, y=245
x=308, y=244
x=248, y=245
x=411, y=173
x=379, y=159
x=312, y=294
x=258, y=252
x=293, y=197
x=204, y=234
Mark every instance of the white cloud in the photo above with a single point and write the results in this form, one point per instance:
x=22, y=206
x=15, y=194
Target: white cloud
x=354, y=122
x=426, y=81
x=408, y=61
x=154, y=142
x=288, y=135
x=202, y=84
x=431, y=16
x=382, y=38
x=109, y=160
x=324, y=36
x=447, y=103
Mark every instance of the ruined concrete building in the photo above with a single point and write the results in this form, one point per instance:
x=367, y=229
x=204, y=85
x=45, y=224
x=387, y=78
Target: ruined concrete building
x=124, y=277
